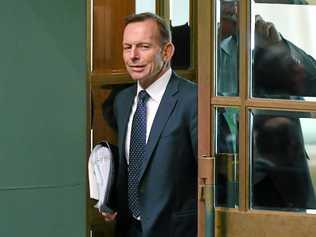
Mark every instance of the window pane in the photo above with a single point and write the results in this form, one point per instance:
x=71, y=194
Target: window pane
x=181, y=33
x=226, y=156
x=283, y=158
x=227, y=48
x=145, y=6
x=179, y=12
x=283, y=50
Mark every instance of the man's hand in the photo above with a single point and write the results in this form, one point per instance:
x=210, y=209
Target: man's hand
x=266, y=33
x=109, y=216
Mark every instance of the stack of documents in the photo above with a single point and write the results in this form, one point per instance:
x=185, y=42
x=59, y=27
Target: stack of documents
x=101, y=175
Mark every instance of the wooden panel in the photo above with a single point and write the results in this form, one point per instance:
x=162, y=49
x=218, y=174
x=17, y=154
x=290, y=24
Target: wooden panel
x=264, y=223
x=244, y=8
x=108, y=24
x=204, y=90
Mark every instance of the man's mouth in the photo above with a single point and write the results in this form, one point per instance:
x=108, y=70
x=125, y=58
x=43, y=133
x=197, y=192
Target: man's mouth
x=136, y=68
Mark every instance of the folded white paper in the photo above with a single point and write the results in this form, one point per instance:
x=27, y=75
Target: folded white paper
x=101, y=173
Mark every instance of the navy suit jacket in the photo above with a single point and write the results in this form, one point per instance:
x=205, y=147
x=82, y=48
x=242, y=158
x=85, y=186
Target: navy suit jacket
x=168, y=181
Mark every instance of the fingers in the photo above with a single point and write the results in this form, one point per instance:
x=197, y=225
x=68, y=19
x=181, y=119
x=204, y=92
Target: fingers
x=109, y=216
x=262, y=27
x=266, y=31
x=273, y=34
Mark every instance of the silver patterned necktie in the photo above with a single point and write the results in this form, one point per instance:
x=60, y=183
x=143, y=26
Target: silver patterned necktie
x=136, y=152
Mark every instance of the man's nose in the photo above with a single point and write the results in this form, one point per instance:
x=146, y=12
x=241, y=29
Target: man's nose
x=134, y=54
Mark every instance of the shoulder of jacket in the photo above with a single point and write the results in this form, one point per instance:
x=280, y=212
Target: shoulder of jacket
x=124, y=95
x=188, y=88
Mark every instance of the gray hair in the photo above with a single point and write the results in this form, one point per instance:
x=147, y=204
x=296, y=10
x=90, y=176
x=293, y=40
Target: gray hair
x=163, y=26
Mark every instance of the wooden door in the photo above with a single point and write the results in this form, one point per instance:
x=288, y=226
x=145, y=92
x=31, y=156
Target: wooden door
x=256, y=139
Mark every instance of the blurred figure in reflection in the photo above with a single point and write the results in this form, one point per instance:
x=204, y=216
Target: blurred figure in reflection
x=227, y=84
x=229, y=19
x=281, y=175
x=281, y=70
x=227, y=157
x=277, y=74
x=227, y=118
x=269, y=40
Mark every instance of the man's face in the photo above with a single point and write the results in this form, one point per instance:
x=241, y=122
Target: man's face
x=229, y=19
x=142, y=52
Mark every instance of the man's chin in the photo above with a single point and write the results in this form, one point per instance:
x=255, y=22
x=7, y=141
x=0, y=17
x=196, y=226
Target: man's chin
x=136, y=77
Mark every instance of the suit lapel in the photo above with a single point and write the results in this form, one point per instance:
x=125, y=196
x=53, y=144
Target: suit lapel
x=164, y=111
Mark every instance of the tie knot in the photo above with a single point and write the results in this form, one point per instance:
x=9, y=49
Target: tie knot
x=143, y=96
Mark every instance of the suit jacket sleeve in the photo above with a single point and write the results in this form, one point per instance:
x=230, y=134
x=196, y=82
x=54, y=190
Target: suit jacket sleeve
x=309, y=64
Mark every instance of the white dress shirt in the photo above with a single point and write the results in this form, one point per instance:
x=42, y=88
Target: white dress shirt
x=155, y=92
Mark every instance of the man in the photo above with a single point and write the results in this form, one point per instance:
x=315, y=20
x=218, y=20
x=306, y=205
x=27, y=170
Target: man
x=156, y=120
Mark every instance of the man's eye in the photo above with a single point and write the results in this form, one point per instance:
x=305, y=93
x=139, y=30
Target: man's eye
x=126, y=47
x=145, y=46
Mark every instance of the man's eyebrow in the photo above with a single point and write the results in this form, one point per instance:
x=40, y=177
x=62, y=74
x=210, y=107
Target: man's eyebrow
x=137, y=44
x=143, y=43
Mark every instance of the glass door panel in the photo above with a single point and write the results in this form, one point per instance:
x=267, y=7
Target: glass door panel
x=263, y=154
x=145, y=6
x=282, y=169
x=181, y=29
x=283, y=50
x=227, y=35
x=226, y=156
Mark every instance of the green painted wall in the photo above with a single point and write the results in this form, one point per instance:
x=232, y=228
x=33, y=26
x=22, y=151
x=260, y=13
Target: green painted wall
x=42, y=118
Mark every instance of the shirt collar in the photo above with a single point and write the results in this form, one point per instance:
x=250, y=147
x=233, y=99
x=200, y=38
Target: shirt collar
x=158, y=87
x=229, y=44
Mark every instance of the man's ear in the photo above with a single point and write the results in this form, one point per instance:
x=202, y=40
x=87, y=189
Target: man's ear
x=168, y=51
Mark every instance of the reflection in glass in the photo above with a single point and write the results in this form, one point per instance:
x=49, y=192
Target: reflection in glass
x=226, y=156
x=283, y=169
x=227, y=48
x=180, y=28
x=283, y=50
x=145, y=6
x=299, y=2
